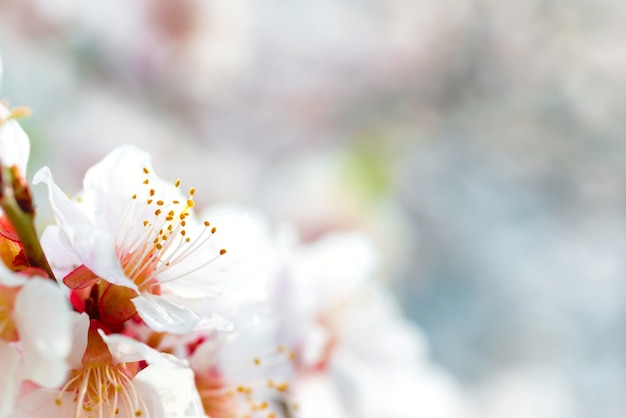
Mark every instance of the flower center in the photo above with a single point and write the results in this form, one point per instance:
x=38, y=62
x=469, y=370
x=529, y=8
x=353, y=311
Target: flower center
x=222, y=399
x=102, y=390
x=164, y=240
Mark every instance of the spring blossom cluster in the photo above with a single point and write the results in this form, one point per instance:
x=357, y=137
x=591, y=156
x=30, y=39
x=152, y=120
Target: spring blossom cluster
x=135, y=304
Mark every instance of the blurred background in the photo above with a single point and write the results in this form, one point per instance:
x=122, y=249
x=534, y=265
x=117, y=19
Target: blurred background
x=480, y=142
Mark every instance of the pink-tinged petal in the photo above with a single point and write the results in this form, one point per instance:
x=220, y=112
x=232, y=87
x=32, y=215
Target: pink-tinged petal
x=9, y=383
x=52, y=404
x=173, y=390
x=42, y=316
x=43, y=404
x=206, y=355
x=14, y=143
x=80, y=330
x=161, y=315
x=128, y=350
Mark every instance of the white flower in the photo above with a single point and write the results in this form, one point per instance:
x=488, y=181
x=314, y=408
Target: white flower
x=105, y=382
x=35, y=334
x=380, y=366
x=133, y=229
x=354, y=349
x=315, y=280
x=244, y=373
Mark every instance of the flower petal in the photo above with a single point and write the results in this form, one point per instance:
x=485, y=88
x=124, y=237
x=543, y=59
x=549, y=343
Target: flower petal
x=8, y=378
x=214, y=322
x=42, y=317
x=80, y=330
x=60, y=255
x=95, y=247
x=110, y=183
x=238, y=233
x=172, y=389
x=128, y=350
x=43, y=404
x=10, y=279
x=161, y=315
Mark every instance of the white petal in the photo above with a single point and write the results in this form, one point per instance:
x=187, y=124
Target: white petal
x=94, y=247
x=164, y=316
x=97, y=251
x=8, y=378
x=42, y=316
x=14, y=143
x=173, y=390
x=127, y=350
x=214, y=322
x=9, y=278
x=80, y=330
x=110, y=183
x=66, y=212
x=240, y=235
x=62, y=258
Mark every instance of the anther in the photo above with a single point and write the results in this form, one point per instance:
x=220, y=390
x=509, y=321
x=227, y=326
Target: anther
x=222, y=252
